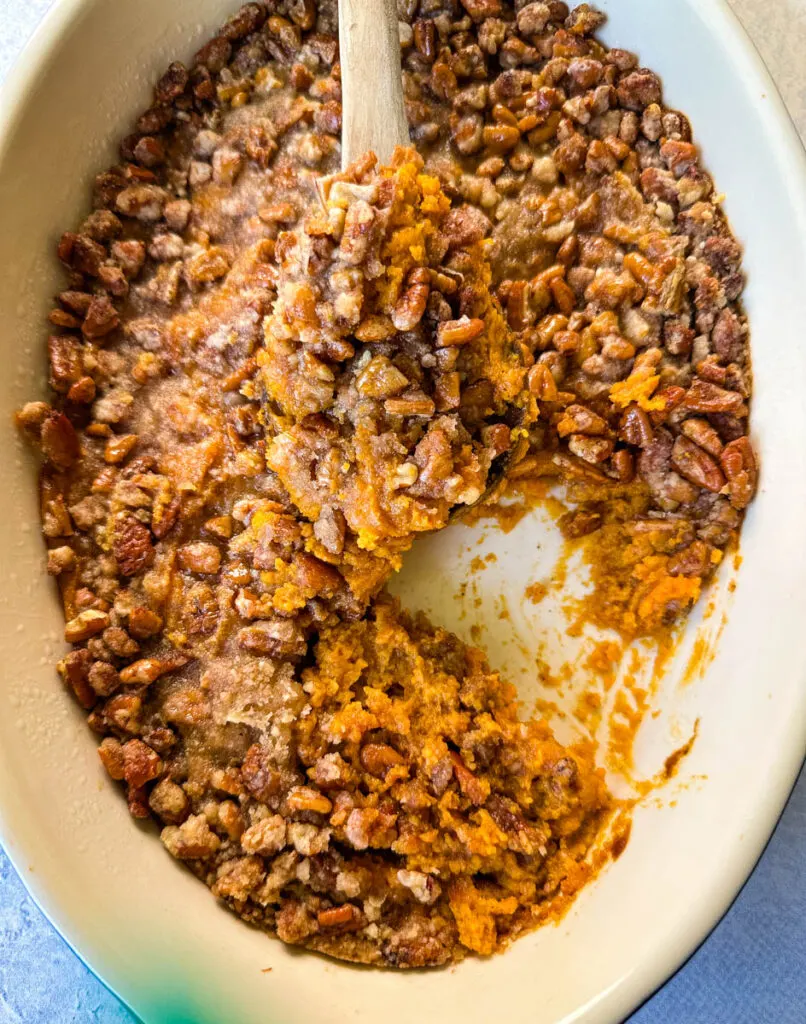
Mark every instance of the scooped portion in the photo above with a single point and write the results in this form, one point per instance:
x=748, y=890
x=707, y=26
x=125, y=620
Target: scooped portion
x=400, y=813
x=392, y=381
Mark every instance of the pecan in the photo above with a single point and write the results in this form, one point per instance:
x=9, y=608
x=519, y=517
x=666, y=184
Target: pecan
x=655, y=467
x=144, y=623
x=65, y=321
x=103, y=679
x=132, y=546
x=476, y=790
x=148, y=670
x=533, y=18
x=81, y=253
x=727, y=336
x=59, y=441
x=149, y=151
x=62, y=559
x=694, y=560
x=154, y=119
x=119, y=642
x=739, y=464
x=200, y=557
x=577, y=419
x=82, y=392
x=303, y=798
x=214, y=55
x=265, y=838
x=207, y=266
x=191, y=840
x=168, y=801
x=579, y=523
x=345, y=918
x=86, y=624
x=172, y=84
x=591, y=449
x=705, y=397
x=378, y=758
x=303, y=13
x=411, y=306
x=259, y=777
x=639, y=89
x=118, y=448
x=697, y=465
x=459, y=332
x=274, y=638
x=32, y=416
x=425, y=38
x=142, y=202
x=412, y=404
x=74, y=669
x=164, y=517
x=635, y=427
x=140, y=763
x=703, y=434
x=111, y=755
x=541, y=383
x=65, y=362
x=123, y=712
x=245, y=21
x=130, y=254
x=137, y=800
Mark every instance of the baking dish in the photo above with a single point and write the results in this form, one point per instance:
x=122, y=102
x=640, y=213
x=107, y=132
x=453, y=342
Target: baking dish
x=152, y=933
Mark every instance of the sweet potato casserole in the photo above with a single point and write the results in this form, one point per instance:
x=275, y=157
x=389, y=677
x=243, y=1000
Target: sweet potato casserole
x=270, y=375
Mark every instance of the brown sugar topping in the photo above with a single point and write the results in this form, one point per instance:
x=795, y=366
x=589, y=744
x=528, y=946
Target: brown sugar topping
x=268, y=376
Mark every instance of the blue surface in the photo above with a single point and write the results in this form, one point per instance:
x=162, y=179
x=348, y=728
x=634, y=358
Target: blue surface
x=752, y=969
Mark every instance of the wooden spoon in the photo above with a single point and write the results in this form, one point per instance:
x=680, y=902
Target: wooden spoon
x=373, y=117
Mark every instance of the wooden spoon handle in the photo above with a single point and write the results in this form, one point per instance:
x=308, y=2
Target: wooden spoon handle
x=372, y=88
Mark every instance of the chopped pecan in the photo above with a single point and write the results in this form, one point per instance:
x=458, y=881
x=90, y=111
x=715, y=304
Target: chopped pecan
x=696, y=465
x=132, y=546
x=140, y=763
x=148, y=670
x=59, y=440
x=739, y=464
x=705, y=397
x=86, y=624
x=74, y=669
x=345, y=918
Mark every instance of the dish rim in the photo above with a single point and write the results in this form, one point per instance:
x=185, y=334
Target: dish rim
x=629, y=992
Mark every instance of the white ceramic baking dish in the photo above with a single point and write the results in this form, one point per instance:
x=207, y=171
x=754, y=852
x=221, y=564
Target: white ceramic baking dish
x=148, y=928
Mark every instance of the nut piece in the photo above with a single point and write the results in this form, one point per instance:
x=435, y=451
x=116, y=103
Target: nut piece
x=111, y=755
x=378, y=758
x=346, y=918
x=425, y=888
x=86, y=624
x=201, y=558
x=118, y=448
x=191, y=840
x=61, y=560
x=459, y=332
x=147, y=670
x=303, y=798
x=739, y=463
x=143, y=623
x=697, y=465
x=266, y=837
x=141, y=764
